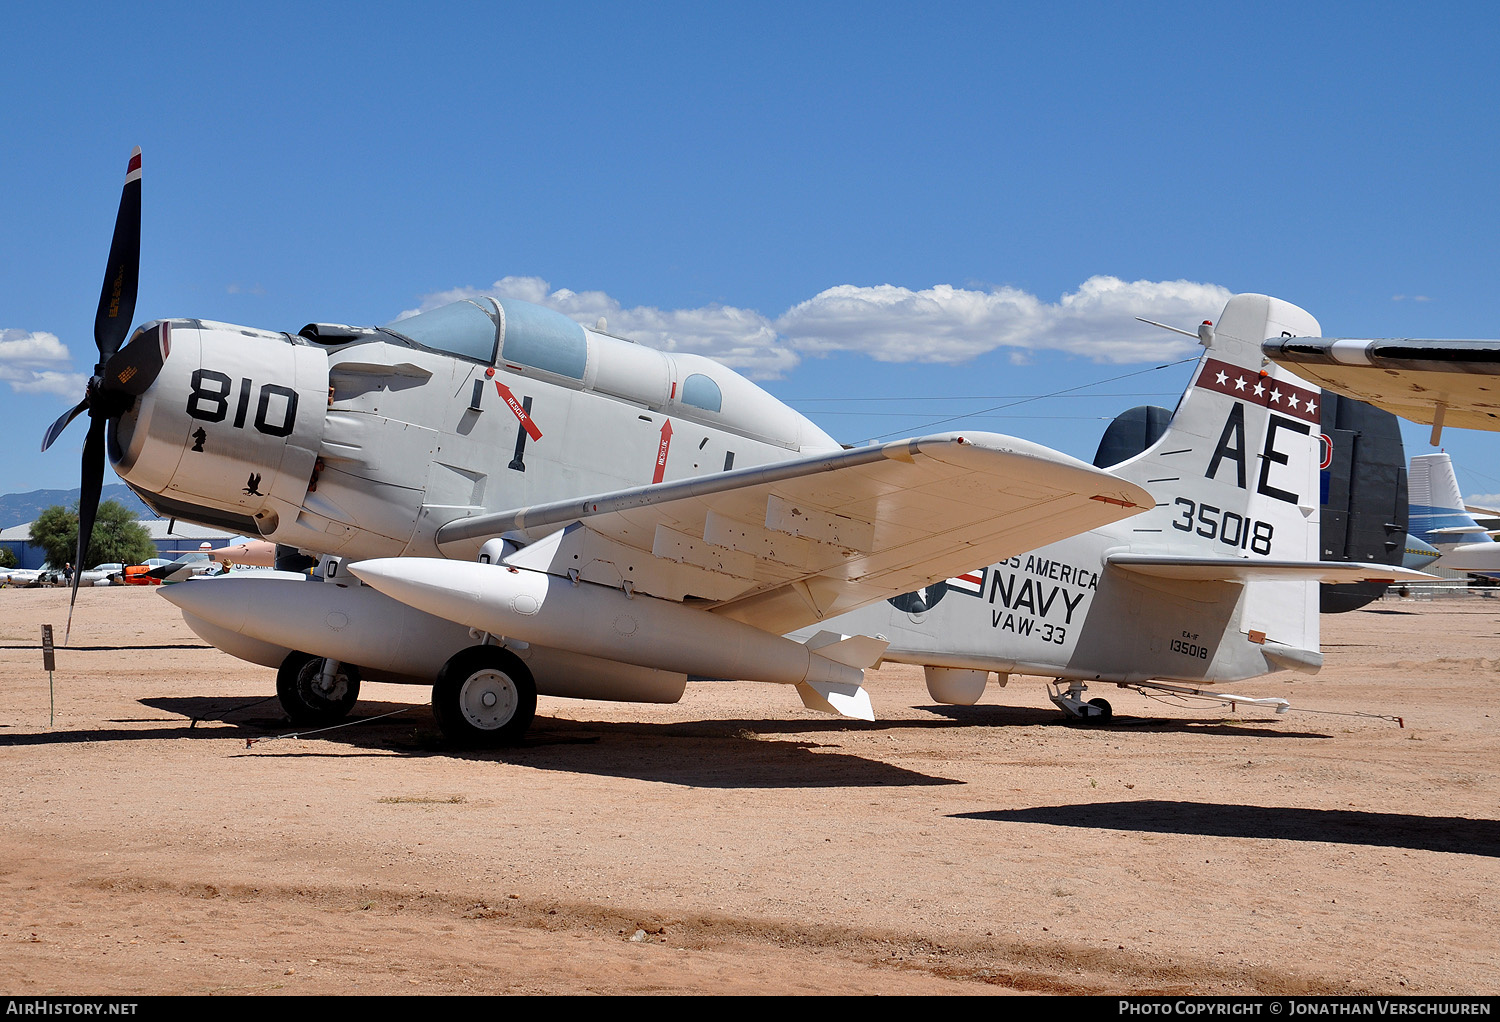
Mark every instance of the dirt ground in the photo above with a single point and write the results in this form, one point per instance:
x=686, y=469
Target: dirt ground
x=737, y=843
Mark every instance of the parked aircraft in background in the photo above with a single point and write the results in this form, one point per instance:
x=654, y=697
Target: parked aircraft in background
x=105, y=573
x=256, y=552
x=186, y=566
x=507, y=503
x=1419, y=553
x=1438, y=515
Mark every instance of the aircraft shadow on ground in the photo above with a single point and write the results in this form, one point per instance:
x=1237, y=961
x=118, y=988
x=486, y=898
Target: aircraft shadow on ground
x=1224, y=727
x=717, y=753
x=64, y=650
x=723, y=753
x=1212, y=819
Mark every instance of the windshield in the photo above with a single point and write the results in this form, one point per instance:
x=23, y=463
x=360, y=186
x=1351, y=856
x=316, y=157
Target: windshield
x=464, y=328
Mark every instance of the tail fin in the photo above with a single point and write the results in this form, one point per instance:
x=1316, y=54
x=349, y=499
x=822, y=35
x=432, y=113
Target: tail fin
x=1437, y=507
x=1364, y=495
x=1438, y=516
x=1363, y=488
x=1236, y=471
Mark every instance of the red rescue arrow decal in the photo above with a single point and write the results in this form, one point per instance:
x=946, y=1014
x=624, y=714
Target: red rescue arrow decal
x=515, y=406
x=661, y=452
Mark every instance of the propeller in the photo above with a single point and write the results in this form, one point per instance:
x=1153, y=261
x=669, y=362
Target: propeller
x=119, y=375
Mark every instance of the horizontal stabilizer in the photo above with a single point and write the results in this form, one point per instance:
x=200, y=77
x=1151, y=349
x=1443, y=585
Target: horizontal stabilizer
x=1244, y=569
x=833, y=697
x=1459, y=530
x=1292, y=658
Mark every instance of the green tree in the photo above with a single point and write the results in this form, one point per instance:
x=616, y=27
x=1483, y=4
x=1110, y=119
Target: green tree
x=117, y=536
x=7, y=559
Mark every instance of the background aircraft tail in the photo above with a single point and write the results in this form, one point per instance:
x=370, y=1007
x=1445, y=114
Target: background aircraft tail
x=1364, y=495
x=1437, y=507
x=1439, y=517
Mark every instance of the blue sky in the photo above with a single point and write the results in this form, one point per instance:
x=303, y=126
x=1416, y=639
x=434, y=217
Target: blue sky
x=892, y=214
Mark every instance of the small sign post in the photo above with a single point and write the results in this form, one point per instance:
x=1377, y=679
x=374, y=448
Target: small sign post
x=49, y=662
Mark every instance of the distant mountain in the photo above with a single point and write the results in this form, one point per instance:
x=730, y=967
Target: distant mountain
x=20, y=508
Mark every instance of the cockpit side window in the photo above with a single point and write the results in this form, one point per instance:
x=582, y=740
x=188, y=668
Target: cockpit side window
x=464, y=328
x=544, y=339
x=701, y=392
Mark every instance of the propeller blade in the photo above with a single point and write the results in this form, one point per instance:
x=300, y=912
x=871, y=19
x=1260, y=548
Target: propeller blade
x=55, y=430
x=88, y=505
x=122, y=274
x=136, y=366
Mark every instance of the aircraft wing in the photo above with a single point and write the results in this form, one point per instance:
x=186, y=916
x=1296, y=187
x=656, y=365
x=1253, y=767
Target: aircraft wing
x=1442, y=383
x=782, y=546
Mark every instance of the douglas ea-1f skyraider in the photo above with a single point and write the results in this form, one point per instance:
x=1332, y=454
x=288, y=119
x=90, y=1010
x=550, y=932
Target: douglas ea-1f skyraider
x=505, y=503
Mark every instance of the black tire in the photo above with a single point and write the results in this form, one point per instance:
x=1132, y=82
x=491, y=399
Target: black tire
x=304, y=701
x=1105, y=710
x=484, y=697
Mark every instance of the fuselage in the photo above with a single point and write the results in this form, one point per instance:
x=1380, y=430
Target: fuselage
x=363, y=442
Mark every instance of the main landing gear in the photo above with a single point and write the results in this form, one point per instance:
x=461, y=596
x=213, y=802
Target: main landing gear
x=484, y=697
x=314, y=690
x=1070, y=701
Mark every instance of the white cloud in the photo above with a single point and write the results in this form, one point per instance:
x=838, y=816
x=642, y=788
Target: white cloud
x=895, y=324
x=36, y=362
x=949, y=324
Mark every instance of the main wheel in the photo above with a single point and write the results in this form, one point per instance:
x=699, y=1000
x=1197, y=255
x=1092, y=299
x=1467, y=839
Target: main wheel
x=304, y=696
x=484, y=696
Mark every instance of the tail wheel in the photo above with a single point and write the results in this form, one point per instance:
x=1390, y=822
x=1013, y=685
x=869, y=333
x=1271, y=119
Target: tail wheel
x=1102, y=705
x=309, y=698
x=484, y=696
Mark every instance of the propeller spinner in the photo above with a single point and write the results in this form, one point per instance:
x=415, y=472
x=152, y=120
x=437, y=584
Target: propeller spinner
x=120, y=374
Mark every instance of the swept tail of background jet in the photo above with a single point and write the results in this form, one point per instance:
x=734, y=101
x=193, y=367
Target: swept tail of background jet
x=1439, y=517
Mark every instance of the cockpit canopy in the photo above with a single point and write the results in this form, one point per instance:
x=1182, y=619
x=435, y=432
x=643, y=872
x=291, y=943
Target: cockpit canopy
x=541, y=342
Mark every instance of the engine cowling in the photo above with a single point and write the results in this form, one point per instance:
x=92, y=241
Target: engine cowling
x=232, y=423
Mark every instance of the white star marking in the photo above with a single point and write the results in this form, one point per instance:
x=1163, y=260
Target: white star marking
x=1276, y=396
x=1259, y=389
x=1239, y=384
x=1312, y=406
x=1292, y=400
x=1222, y=377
